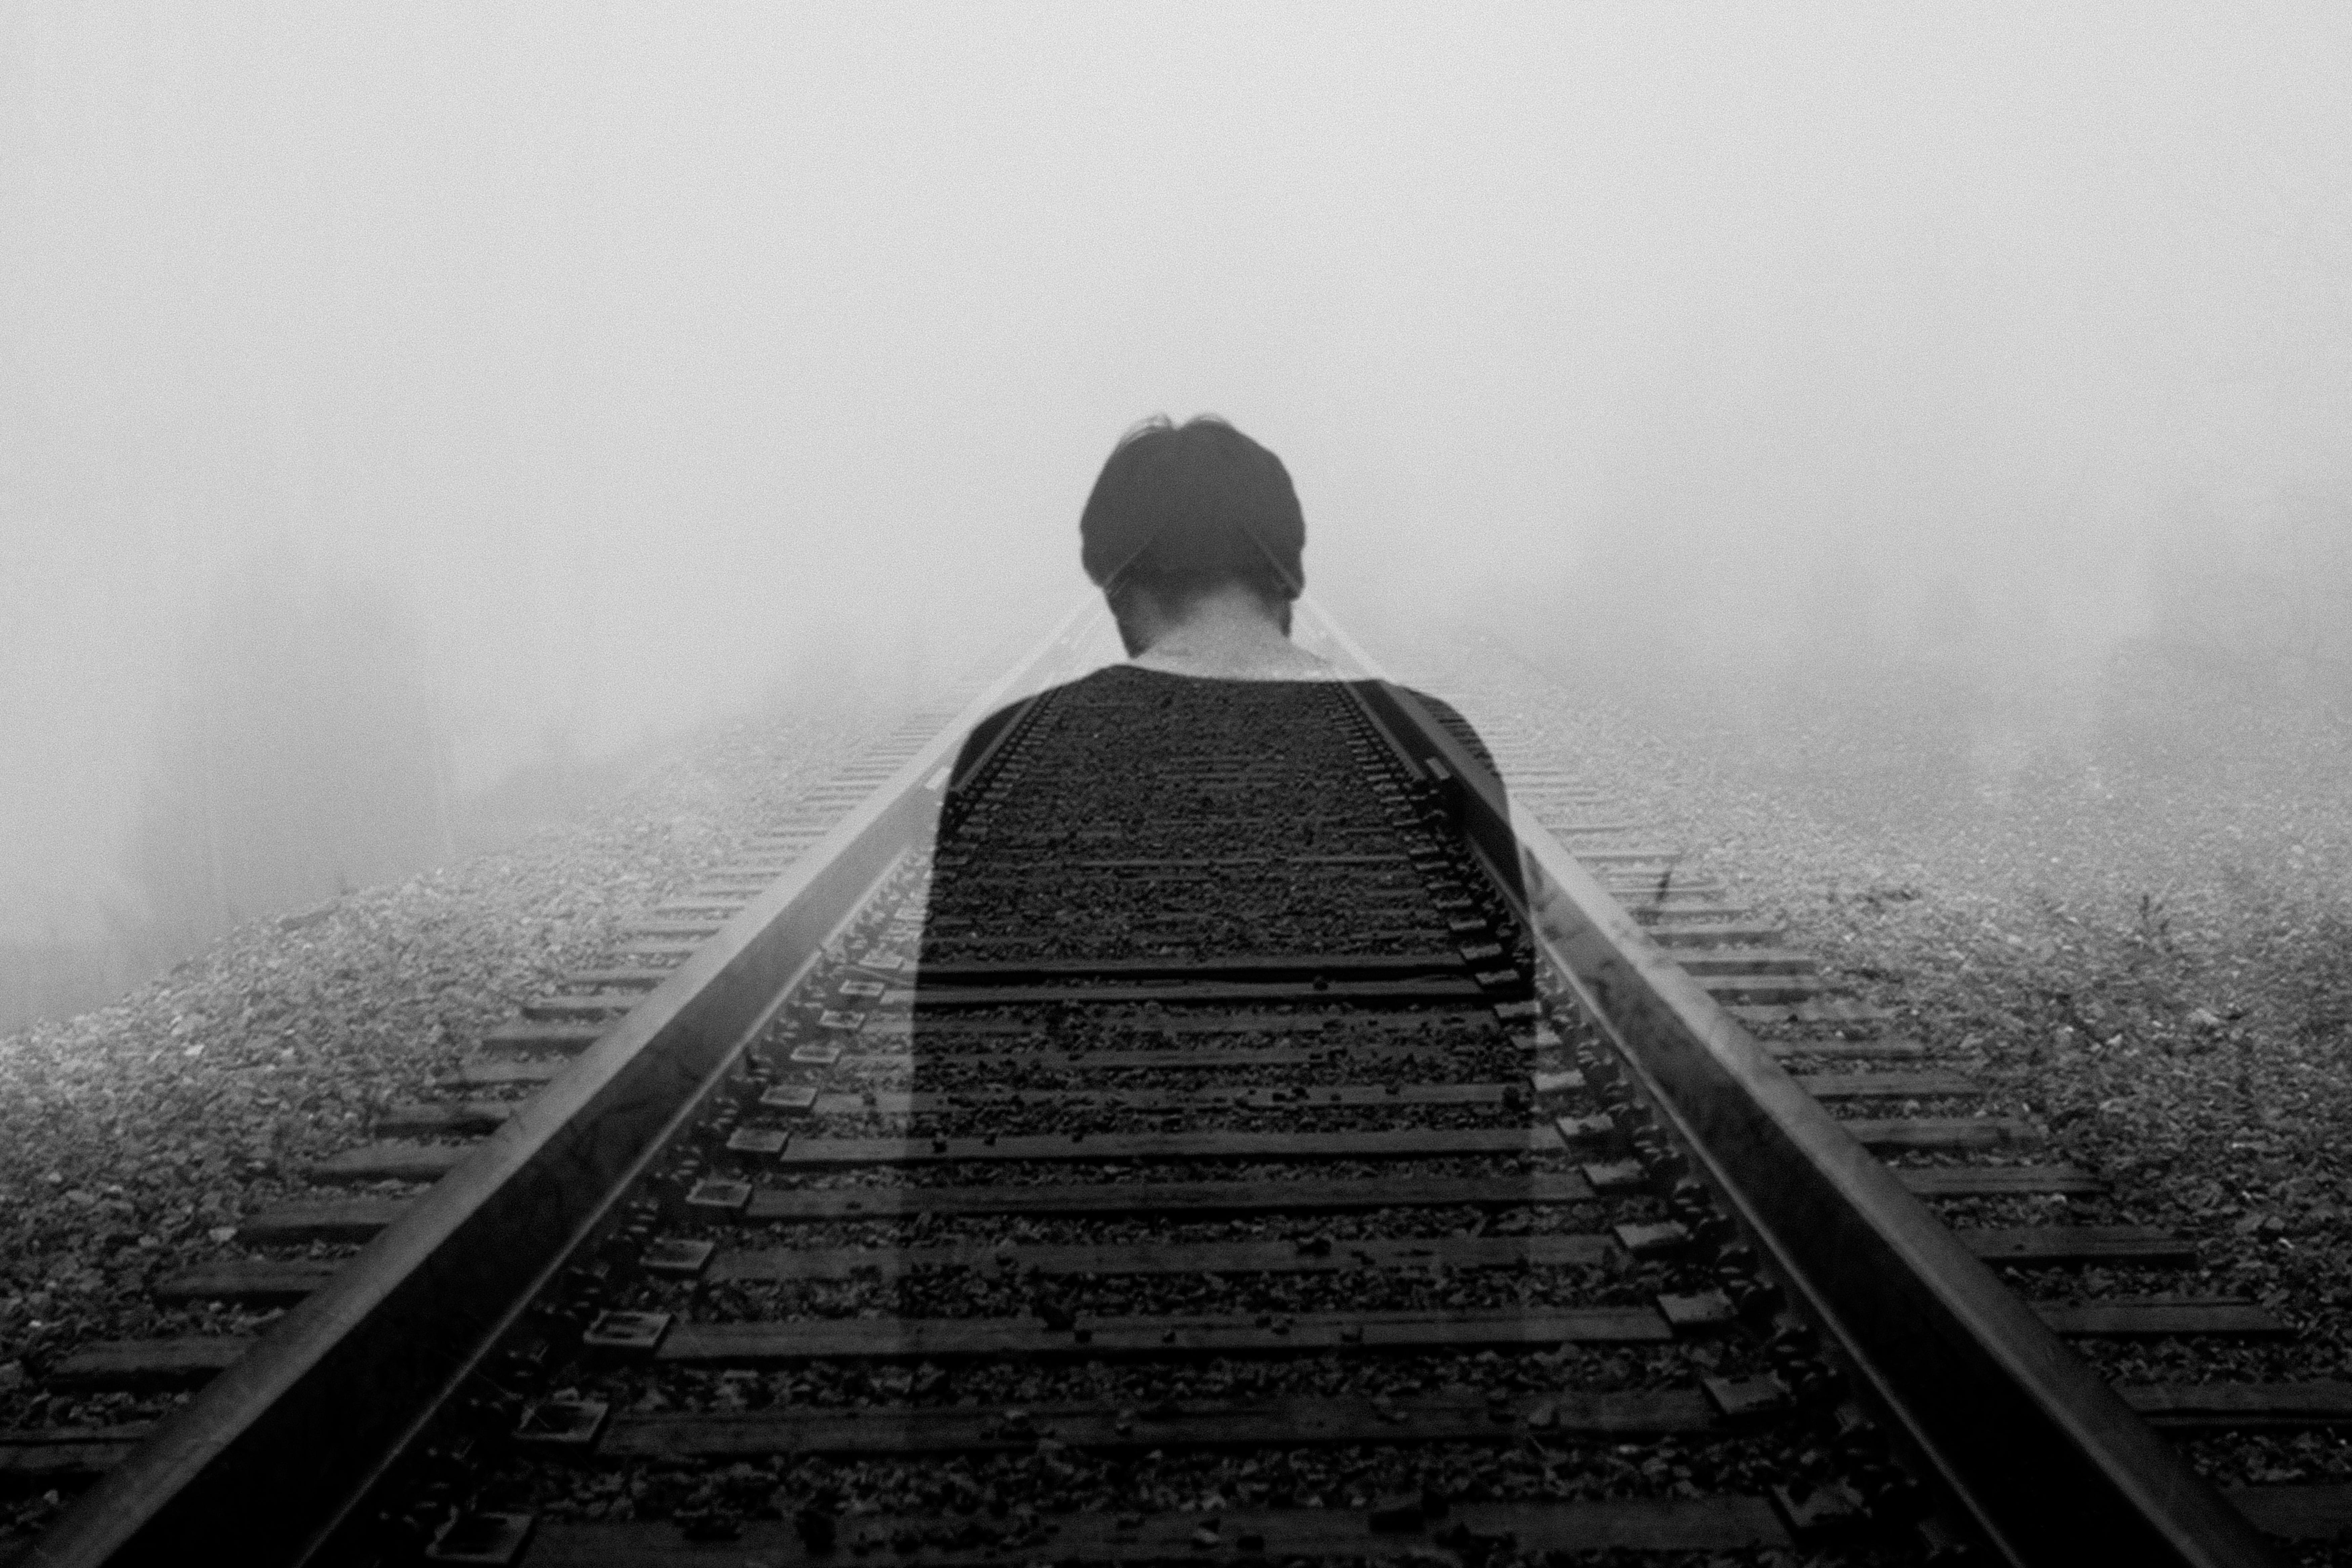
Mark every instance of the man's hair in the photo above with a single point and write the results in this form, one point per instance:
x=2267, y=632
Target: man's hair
x=1181, y=510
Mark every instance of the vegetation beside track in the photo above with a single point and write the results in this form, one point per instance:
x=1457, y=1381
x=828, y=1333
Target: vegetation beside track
x=2139, y=920
x=133, y=1138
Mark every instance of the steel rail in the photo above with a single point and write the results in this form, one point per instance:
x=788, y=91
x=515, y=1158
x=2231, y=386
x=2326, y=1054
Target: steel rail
x=280, y=1452
x=2032, y=1448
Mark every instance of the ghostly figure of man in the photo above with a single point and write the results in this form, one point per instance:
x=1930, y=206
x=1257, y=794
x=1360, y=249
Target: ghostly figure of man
x=1168, y=896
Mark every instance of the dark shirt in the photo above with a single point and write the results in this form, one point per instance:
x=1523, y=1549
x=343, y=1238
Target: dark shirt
x=1137, y=832
x=1109, y=846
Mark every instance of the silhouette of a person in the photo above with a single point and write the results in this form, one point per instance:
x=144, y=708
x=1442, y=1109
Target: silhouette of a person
x=1195, y=534
x=1203, y=809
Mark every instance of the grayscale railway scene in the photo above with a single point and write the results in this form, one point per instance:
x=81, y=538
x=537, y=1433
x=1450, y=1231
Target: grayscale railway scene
x=1106, y=787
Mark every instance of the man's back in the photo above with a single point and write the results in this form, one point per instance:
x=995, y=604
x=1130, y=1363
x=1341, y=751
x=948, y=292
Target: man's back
x=1154, y=790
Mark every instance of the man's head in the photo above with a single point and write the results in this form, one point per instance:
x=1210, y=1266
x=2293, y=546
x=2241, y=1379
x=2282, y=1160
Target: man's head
x=1184, y=511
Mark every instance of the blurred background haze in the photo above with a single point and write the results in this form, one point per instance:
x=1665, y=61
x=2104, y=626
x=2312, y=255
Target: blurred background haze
x=402, y=404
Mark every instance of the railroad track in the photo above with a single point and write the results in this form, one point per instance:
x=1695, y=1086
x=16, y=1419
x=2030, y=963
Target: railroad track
x=1423, y=1190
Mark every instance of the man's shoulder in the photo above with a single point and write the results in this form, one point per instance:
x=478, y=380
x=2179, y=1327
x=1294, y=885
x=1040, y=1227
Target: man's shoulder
x=986, y=734
x=1450, y=719
x=1093, y=681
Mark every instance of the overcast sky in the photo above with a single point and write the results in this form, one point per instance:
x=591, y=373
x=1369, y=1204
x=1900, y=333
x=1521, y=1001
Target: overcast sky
x=648, y=353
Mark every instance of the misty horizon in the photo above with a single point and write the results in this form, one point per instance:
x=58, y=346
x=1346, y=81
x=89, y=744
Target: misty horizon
x=547, y=384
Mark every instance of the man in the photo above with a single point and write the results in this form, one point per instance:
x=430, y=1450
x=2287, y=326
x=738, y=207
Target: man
x=1199, y=802
x=1171, y=902
x=1195, y=534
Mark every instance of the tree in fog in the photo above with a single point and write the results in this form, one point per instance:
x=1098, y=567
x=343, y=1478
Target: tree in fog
x=298, y=758
x=2269, y=602
x=2250, y=621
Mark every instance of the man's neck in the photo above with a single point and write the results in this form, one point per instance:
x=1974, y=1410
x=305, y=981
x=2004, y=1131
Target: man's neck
x=1227, y=634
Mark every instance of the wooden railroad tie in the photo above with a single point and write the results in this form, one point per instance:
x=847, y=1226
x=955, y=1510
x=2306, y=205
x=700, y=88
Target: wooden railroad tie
x=800, y=1340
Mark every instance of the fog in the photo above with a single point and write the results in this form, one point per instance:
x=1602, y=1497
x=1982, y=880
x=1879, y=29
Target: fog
x=395, y=397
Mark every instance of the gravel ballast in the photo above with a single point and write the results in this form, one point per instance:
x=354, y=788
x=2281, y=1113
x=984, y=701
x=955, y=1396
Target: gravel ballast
x=2133, y=931
x=132, y=1139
